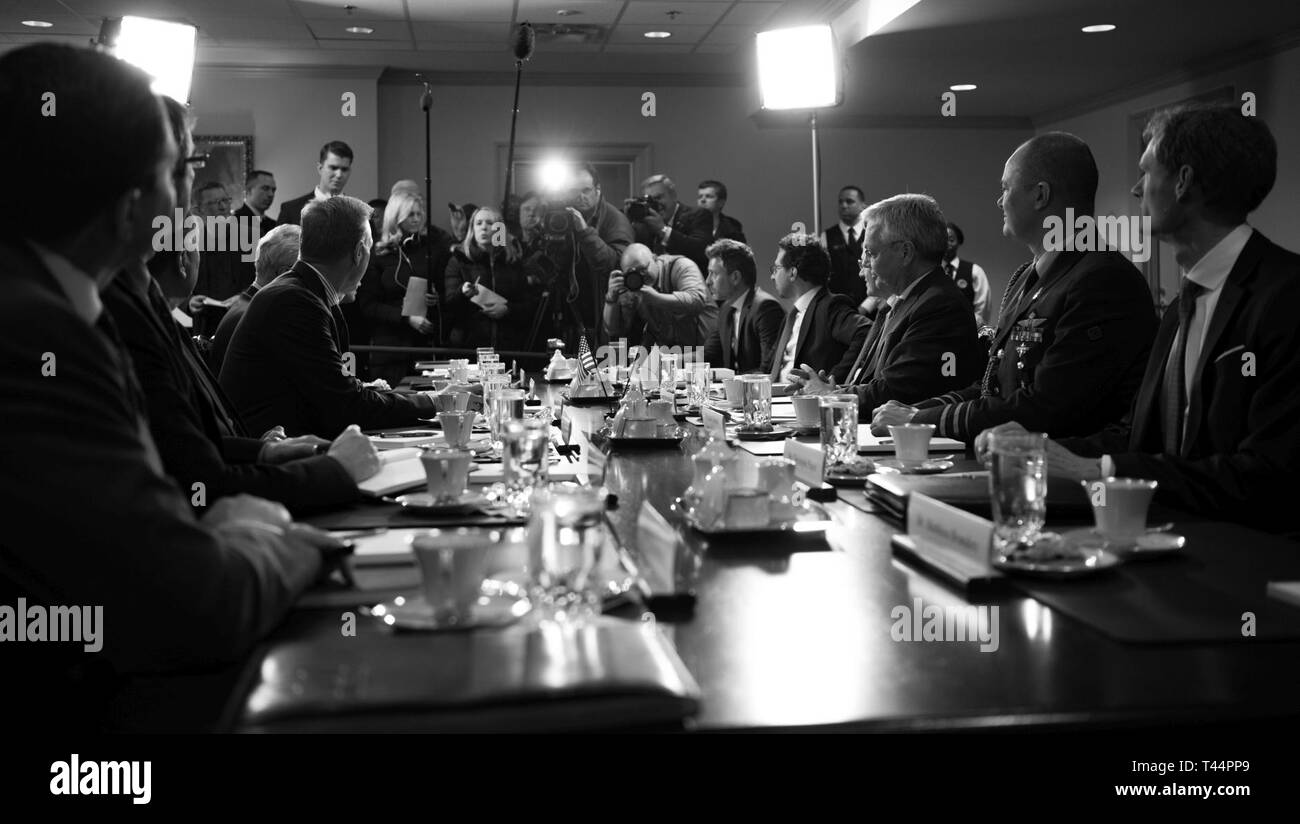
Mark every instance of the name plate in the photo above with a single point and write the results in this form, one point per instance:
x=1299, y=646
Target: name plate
x=932, y=523
x=809, y=462
x=566, y=428
x=714, y=423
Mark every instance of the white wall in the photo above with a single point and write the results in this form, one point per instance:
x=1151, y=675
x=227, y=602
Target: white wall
x=290, y=114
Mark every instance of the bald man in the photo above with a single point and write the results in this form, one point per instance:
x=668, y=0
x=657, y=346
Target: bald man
x=658, y=300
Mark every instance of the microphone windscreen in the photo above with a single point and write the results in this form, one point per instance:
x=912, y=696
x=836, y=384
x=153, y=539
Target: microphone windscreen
x=426, y=99
x=525, y=41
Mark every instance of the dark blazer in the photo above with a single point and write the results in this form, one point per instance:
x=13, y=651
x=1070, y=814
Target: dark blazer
x=729, y=228
x=285, y=366
x=291, y=210
x=1241, y=446
x=509, y=280
x=1070, y=354
x=845, y=277
x=90, y=518
x=927, y=345
x=692, y=232
x=760, y=320
x=379, y=300
x=247, y=268
x=198, y=439
x=226, y=329
x=830, y=337
x=265, y=226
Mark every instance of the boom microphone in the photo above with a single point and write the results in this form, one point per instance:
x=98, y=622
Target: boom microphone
x=426, y=98
x=525, y=41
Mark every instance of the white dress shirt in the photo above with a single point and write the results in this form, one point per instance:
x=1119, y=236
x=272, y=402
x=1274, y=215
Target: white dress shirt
x=1210, y=272
x=801, y=307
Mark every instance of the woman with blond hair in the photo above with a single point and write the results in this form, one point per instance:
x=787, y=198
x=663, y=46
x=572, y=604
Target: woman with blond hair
x=487, y=288
x=398, y=255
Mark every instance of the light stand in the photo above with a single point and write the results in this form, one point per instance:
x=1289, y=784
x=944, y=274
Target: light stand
x=426, y=104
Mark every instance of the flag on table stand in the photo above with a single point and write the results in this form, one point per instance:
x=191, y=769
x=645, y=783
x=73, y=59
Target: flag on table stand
x=587, y=365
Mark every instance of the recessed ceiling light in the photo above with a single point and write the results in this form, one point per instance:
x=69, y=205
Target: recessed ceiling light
x=360, y=30
x=964, y=87
x=568, y=12
x=658, y=35
x=37, y=24
x=1097, y=29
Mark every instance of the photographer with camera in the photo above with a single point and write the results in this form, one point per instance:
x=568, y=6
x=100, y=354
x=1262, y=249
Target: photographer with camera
x=584, y=238
x=658, y=301
x=668, y=226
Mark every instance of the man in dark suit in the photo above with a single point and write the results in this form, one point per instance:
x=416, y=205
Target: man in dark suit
x=927, y=343
x=822, y=332
x=259, y=194
x=277, y=252
x=334, y=169
x=1216, y=421
x=672, y=227
x=220, y=273
x=712, y=198
x=1074, y=329
x=843, y=243
x=749, y=320
x=90, y=517
x=286, y=362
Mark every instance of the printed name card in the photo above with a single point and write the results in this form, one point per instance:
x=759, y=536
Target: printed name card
x=566, y=428
x=714, y=423
x=937, y=524
x=809, y=462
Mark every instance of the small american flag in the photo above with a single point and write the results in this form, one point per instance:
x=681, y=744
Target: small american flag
x=586, y=363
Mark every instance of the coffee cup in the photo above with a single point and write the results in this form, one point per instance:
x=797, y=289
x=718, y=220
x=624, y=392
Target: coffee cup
x=747, y=509
x=912, y=442
x=452, y=568
x=662, y=411
x=447, y=471
x=457, y=427
x=807, y=410
x=1119, y=506
x=640, y=427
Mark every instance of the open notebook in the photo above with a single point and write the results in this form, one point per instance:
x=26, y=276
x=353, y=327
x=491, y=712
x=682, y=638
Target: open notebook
x=402, y=472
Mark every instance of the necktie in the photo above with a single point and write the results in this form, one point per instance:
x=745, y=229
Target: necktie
x=859, y=372
x=779, y=362
x=993, y=361
x=1174, y=392
x=853, y=237
x=949, y=271
x=729, y=337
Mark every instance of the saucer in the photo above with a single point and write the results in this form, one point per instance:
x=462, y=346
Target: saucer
x=424, y=502
x=852, y=474
x=800, y=430
x=476, y=445
x=1065, y=556
x=893, y=465
x=776, y=433
x=495, y=609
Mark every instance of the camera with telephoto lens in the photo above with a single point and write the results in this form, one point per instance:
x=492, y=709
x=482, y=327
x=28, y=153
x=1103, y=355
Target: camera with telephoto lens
x=556, y=221
x=637, y=208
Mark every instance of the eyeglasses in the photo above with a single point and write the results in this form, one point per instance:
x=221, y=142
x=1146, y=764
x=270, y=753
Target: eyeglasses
x=198, y=161
x=872, y=255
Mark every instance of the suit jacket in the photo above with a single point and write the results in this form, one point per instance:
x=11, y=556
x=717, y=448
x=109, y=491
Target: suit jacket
x=1241, y=443
x=92, y=520
x=728, y=227
x=266, y=224
x=760, y=320
x=247, y=268
x=1070, y=354
x=198, y=440
x=226, y=329
x=291, y=210
x=830, y=337
x=285, y=366
x=845, y=277
x=927, y=345
x=692, y=232
x=600, y=248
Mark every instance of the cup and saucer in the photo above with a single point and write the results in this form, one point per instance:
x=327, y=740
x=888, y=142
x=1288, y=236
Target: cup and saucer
x=465, y=503
x=929, y=466
x=1119, y=508
x=1055, y=556
x=495, y=607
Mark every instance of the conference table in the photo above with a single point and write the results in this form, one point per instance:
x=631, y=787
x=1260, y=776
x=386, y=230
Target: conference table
x=794, y=631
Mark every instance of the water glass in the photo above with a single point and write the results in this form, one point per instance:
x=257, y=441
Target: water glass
x=566, y=534
x=487, y=354
x=668, y=365
x=839, y=428
x=697, y=384
x=504, y=406
x=756, y=401
x=459, y=372
x=1018, y=487
x=526, y=454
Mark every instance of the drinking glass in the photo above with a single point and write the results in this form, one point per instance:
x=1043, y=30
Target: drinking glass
x=1018, y=487
x=840, y=427
x=526, y=454
x=756, y=401
x=697, y=384
x=668, y=365
x=504, y=406
x=566, y=534
x=459, y=371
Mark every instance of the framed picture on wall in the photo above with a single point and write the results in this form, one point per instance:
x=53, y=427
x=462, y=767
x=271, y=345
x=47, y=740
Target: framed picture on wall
x=230, y=159
x=621, y=166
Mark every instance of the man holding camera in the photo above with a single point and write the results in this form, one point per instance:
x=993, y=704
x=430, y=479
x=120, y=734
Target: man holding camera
x=668, y=226
x=600, y=235
x=658, y=300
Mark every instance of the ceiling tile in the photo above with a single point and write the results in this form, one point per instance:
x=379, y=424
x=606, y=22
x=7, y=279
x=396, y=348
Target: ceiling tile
x=731, y=35
x=199, y=9
x=366, y=44
x=246, y=28
x=703, y=13
x=705, y=48
x=633, y=48
x=462, y=32
x=750, y=13
x=468, y=11
x=140, y=8
x=63, y=24
x=336, y=29
x=364, y=9
x=625, y=33
x=592, y=11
